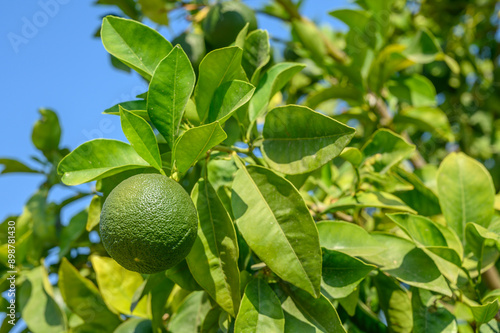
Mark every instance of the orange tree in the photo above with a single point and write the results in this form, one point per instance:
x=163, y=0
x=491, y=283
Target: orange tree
x=342, y=180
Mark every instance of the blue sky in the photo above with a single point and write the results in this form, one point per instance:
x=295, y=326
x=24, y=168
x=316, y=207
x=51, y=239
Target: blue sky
x=59, y=65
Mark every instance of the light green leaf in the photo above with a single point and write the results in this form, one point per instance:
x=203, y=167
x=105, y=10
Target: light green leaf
x=98, y=159
x=195, y=142
x=169, y=91
x=256, y=54
x=421, y=230
x=218, y=67
x=135, y=44
x=298, y=140
x=46, y=131
x=415, y=90
x=431, y=319
x=242, y=35
x=348, y=238
x=423, y=48
x=486, y=312
x=370, y=199
x=310, y=37
x=190, y=315
x=347, y=93
x=400, y=259
x=396, y=304
x=260, y=310
x=11, y=166
x=228, y=97
x=94, y=214
x=352, y=155
x=36, y=303
x=303, y=313
x=117, y=286
x=141, y=137
x=466, y=192
x=342, y=273
x=262, y=200
x=83, y=297
x=213, y=260
x=425, y=118
x=270, y=83
x=385, y=149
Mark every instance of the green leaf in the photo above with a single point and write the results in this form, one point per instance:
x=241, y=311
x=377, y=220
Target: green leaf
x=298, y=140
x=218, y=67
x=138, y=107
x=134, y=325
x=262, y=200
x=36, y=303
x=385, y=149
x=415, y=90
x=466, y=192
x=94, y=213
x=425, y=118
x=342, y=273
x=370, y=199
x=310, y=37
x=73, y=231
x=141, y=137
x=270, y=83
x=347, y=93
x=256, y=54
x=46, y=131
x=396, y=304
x=348, y=238
x=228, y=98
x=83, y=297
x=190, y=315
x=421, y=230
x=182, y=276
x=117, y=286
x=98, y=159
x=431, y=319
x=477, y=235
x=400, y=259
x=169, y=91
x=486, y=312
x=352, y=155
x=135, y=44
x=423, y=48
x=421, y=198
x=260, y=310
x=211, y=322
x=213, y=260
x=304, y=313
x=242, y=35
x=195, y=142
x=11, y=166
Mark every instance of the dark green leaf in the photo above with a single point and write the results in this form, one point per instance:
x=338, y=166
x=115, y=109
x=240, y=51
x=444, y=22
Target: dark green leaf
x=431, y=319
x=342, y=273
x=11, y=166
x=256, y=54
x=228, y=97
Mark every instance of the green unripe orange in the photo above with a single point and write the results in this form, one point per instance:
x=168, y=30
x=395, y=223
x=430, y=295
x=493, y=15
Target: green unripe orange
x=225, y=20
x=148, y=223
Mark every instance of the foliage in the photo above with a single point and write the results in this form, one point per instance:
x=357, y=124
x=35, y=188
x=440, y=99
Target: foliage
x=348, y=187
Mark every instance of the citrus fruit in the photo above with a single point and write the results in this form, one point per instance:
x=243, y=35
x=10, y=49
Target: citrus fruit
x=148, y=223
x=225, y=20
